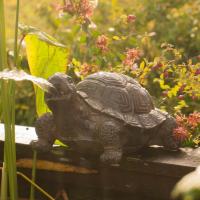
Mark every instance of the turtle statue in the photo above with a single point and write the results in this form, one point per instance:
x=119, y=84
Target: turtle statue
x=106, y=114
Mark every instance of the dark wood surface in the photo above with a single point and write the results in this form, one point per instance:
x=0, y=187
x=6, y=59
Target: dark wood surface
x=149, y=175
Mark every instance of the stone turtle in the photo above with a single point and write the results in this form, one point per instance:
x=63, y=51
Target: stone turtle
x=106, y=114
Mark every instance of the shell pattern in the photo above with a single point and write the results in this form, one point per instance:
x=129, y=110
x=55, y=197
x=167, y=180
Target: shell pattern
x=121, y=97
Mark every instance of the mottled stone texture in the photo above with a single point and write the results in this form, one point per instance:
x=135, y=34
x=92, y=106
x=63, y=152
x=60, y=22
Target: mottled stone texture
x=106, y=114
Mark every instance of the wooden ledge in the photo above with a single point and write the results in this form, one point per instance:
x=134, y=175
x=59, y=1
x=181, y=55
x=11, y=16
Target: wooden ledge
x=150, y=174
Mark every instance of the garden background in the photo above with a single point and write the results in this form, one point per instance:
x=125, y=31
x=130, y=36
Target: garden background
x=154, y=41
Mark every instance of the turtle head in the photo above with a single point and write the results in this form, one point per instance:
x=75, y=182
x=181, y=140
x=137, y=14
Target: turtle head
x=167, y=132
x=63, y=89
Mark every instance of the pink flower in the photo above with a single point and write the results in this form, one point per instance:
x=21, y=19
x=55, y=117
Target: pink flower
x=165, y=93
x=187, y=127
x=82, y=8
x=131, y=18
x=181, y=133
x=194, y=97
x=181, y=96
x=85, y=9
x=181, y=89
x=157, y=66
x=102, y=43
x=181, y=119
x=197, y=72
x=87, y=69
x=134, y=67
x=69, y=8
x=166, y=74
x=194, y=119
x=56, y=6
x=131, y=56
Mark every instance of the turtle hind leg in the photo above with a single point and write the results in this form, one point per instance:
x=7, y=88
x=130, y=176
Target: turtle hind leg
x=46, y=131
x=110, y=138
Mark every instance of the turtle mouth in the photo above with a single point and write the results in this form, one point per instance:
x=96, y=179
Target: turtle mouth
x=55, y=95
x=56, y=98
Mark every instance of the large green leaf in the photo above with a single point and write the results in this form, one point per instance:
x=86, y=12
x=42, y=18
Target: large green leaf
x=45, y=57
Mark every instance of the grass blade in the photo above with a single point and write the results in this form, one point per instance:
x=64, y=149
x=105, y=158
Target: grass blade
x=4, y=183
x=32, y=193
x=7, y=104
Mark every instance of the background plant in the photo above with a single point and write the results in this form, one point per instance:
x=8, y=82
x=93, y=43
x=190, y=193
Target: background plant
x=188, y=130
x=155, y=42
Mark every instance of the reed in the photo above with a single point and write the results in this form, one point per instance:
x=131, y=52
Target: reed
x=32, y=192
x=9, y=175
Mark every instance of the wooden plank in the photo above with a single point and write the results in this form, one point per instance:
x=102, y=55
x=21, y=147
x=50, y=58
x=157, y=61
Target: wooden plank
x=150, y=174
x=24, y=134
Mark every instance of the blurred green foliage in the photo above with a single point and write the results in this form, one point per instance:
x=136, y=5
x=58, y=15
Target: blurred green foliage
x=175, y=22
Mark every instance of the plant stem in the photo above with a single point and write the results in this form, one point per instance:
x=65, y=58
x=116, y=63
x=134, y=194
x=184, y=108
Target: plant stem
x=8, y=114
x=3, y=56
x=3, y=64
x=32, y=193
x=35, y=185
x=9, y=144
x=16, y=35
x=4, y=183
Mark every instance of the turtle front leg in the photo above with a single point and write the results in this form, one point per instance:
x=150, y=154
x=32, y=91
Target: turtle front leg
x=110, y=138
x=46, y=131
x=166, y=132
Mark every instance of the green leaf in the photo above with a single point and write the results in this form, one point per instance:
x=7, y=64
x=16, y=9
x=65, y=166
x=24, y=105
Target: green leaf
x=181, y=104
x=58, y=142
x=30, y=30
x=116, y=37
x=142, y=65
x=162, y=83
x=45, y=57
x=174, y=91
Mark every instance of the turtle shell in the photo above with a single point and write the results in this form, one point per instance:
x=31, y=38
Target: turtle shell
x=121, y=97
